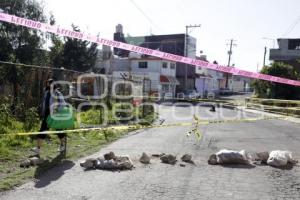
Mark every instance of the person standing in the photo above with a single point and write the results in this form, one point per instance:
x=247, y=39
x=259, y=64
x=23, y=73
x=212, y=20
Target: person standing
x=50, y=101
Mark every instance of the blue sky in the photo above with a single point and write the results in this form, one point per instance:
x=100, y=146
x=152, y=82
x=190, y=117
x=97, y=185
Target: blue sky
x=246, y=21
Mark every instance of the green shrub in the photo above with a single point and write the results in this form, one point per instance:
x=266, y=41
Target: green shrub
x=92, y=116
x=272, y=90
x=31, y=119
x=8, y=123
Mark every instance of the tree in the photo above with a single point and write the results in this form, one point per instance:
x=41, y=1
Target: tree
x=56, y=50
x=20, y=44
x=265, y=89
x=79, y=55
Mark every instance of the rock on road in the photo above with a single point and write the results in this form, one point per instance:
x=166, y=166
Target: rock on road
x=163, y=181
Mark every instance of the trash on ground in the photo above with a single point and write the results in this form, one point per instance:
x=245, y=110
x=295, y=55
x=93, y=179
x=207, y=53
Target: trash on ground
x=261, y=156
x=158, y=155
x=33, y=161
x=168, y=159
x=226, y=156
x=109, y=162
x=279, y=158
x=155, y=155
x=89, y=163
x=25, y=163
x=145, y=159
x=213, y=108
x=109, y=156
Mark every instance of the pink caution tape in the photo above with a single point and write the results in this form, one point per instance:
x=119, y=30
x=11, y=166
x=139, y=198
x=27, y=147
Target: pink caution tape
x=86, y=36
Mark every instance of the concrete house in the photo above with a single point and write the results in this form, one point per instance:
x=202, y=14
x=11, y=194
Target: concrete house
x=175, y=44
x=288, y=52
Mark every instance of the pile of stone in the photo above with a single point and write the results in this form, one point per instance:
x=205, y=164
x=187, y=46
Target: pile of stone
x=33, y=161
x=277, y=158
x=166, y=158
x=109, y=161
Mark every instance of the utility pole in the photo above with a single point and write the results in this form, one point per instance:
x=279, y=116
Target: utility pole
x=229, y=59
x=265, y=53
x=186, y=49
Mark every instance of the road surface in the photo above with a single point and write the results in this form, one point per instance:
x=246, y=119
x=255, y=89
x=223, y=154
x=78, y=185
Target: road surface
x=199, y=181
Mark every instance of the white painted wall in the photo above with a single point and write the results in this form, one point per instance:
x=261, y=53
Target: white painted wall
x=153, y=65
x=153, y=71
x=168, y=71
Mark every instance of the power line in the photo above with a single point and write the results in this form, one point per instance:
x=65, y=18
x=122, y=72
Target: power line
x=40, y=67
x=291, y=27
x=230, y=51
x=229, y=59
x=145, y=15
x=186, y=50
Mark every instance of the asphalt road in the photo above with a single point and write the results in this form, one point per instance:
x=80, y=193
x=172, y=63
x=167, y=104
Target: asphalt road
x=199, y=181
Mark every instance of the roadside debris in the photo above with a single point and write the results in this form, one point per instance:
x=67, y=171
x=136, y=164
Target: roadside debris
x=196, y=129
x=157, y=155
x=261, y=156
x=109, y=156
x=212, y=108
x=89, y=163
x=108, y=162
x=33, y=161
x=145, y=159
x=280, y=158
x=168, y=159
x=277, y=158
x=187, y=158
x=226, y=156
x=25, y=163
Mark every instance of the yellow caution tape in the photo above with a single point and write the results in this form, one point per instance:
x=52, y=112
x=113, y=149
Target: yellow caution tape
x=131, y=127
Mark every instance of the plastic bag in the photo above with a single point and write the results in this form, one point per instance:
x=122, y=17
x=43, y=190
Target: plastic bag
x=62, y=119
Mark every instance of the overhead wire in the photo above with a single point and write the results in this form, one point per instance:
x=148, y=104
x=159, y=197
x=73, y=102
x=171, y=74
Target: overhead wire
x=38, y=66
x=145, y=15
x=292, y=27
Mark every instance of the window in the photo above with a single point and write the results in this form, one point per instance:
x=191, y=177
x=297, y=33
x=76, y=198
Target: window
x=293, y=44
x=165, y=65
x=172, y=65
x=143, y=65
x=165, y=88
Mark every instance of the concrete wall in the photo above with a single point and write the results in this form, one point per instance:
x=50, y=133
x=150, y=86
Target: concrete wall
x=153, y=66
x=168, y=71
x=283, y=52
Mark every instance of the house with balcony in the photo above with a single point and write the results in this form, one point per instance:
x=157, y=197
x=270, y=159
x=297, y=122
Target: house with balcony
x=178, y=44
x=161, y=73
x=157, y=75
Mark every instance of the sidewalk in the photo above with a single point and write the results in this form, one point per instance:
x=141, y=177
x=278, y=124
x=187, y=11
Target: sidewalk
x=288, y=118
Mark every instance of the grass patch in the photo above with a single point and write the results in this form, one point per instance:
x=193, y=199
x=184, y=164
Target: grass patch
x=14, y=149
x=79, y=145
x=284, y=107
